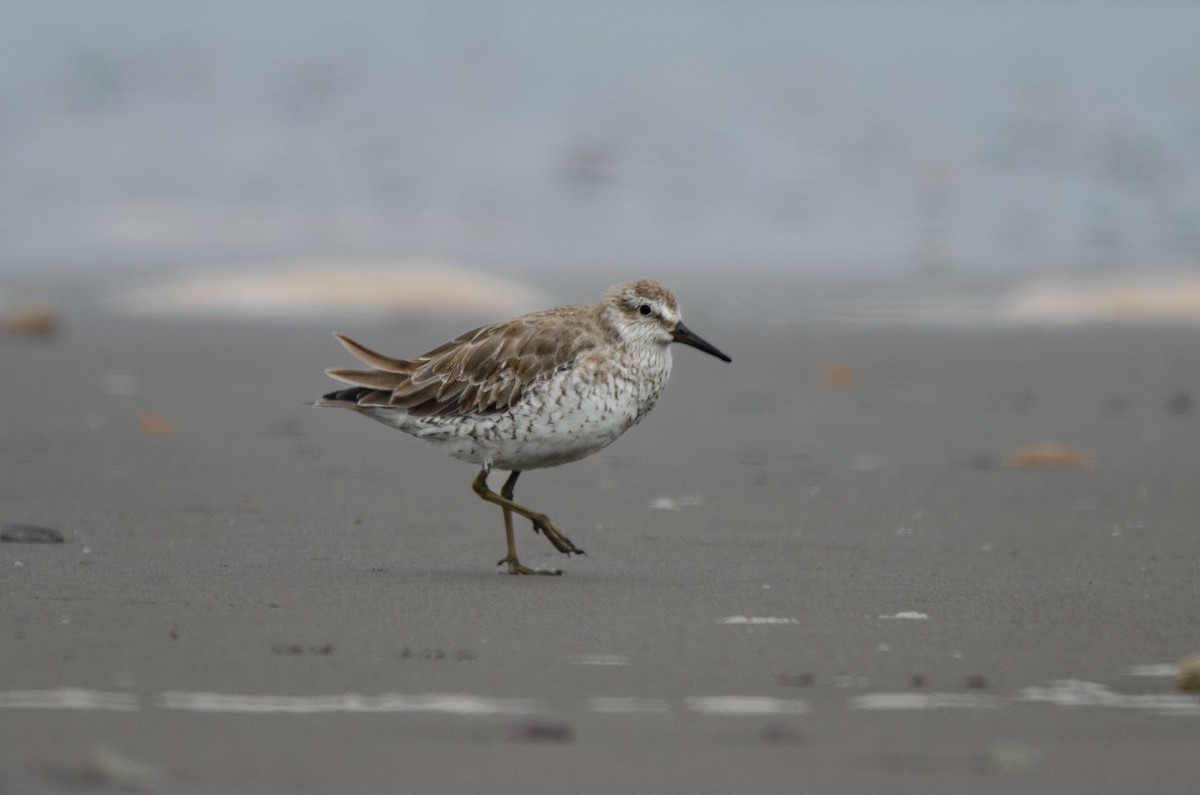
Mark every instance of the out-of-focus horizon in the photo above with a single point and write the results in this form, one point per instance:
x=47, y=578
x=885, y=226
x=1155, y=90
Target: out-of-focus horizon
x=984, y=141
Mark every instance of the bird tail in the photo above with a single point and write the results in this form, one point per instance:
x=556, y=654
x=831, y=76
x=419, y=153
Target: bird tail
x=367, y=387
x=375, y=359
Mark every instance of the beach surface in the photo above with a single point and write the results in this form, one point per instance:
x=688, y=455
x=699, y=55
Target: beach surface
x=846, y=562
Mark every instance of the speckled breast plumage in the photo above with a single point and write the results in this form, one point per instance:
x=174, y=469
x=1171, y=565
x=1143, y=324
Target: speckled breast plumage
x=564, y=417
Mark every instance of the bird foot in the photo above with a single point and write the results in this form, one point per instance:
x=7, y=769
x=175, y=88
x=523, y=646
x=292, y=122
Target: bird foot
x=515, y=567
x=561, y=542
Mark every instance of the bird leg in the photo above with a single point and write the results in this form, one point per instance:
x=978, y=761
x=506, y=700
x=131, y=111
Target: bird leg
x=541, y=523
x=514, y=565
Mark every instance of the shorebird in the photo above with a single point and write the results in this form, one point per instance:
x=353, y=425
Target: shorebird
x=540, y=390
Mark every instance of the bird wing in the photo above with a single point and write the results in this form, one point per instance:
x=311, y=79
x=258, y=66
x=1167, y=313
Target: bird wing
x=484, y=371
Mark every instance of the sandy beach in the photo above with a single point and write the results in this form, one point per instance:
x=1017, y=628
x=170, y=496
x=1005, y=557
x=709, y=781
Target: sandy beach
x=822, y=568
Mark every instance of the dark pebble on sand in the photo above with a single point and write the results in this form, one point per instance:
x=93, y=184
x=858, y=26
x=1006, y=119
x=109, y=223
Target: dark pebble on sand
x=544, y=732
x=287, y=648
x=21, y=533
x=778, y=734
x=1181, y=404
x=296, y=648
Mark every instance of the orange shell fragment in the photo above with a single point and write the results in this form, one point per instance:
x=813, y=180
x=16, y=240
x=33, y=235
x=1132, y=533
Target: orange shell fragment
x=34, y=319
x=154, y=425
x=1050, y=455
x=838, y=375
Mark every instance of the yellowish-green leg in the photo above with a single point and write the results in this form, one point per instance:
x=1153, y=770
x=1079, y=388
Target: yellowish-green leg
x=541, y=523
x=514, y=565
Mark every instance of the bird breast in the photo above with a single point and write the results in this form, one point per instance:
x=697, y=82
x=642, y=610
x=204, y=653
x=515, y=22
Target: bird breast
x=579, y=411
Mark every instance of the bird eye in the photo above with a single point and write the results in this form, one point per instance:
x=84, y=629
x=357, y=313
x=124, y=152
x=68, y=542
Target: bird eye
x=645, y=309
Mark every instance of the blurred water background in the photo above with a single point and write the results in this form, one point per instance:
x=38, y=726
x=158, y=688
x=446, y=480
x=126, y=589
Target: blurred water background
x=978, y=142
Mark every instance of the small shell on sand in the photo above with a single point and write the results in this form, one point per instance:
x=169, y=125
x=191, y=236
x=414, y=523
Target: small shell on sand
x=35, y=320
x=1188, y=677
x=154, y=425
x=838, y=375
x=1050, y=455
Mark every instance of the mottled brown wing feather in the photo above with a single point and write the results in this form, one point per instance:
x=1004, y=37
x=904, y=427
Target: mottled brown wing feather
x=484, y=371
x=375, y=379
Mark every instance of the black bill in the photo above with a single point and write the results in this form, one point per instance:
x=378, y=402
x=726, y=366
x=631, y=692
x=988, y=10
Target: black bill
x=684, y=334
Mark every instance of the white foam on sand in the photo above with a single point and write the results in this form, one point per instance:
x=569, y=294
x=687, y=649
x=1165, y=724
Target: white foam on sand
x=1067, y=693
x=673, y=504
x=331, y=289
x=899, y=701
x=1165, y=298
x=600, y=659
x=1081, y=693
x=1155, y=669
x=450, y=703
x=68, y=698
x=911, y=615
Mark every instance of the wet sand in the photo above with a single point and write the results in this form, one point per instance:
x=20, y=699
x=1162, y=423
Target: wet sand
x=792, y=584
